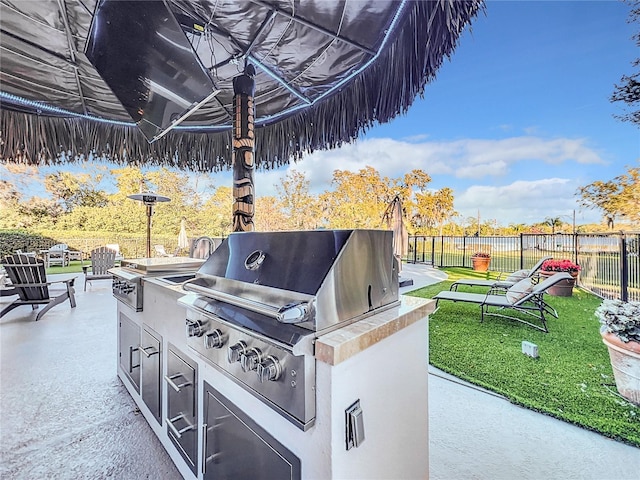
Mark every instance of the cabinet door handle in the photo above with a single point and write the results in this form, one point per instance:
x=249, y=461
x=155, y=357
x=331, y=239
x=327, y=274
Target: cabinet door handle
x=152, y=351
x=131, y=365
x=204, y=448
x=177, y=387
x=178, y=432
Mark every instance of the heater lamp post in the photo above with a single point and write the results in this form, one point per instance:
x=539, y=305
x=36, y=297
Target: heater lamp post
x=149, y=199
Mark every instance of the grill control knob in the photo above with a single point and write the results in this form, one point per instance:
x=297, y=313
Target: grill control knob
x=194, y=328
x=269, y=370
x=235, y=351
x=251, y=359
x=214, y=339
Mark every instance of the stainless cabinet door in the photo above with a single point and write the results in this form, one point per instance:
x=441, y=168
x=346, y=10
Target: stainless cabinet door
x=236, y=447
x=151, y=371
x=128, y=354
x=182, y=411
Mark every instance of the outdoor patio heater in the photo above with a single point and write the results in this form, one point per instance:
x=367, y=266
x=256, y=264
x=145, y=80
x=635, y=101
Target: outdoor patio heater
x=149, y=199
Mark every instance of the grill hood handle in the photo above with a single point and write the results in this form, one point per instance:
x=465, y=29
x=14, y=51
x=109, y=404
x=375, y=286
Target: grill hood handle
x=294, y=313
x=290, y=313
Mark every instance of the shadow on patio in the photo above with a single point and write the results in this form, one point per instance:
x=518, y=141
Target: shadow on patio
x=65, y=413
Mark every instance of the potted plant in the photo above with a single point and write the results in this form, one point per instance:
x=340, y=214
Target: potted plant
x=565, y=287
x=481, y=261
x=621, y=334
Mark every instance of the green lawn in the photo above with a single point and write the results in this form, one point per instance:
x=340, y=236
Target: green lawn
x=572, y=378
x=73, y=267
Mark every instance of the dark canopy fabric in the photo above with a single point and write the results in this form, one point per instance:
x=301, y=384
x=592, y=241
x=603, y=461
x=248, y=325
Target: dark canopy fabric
x=327, y=70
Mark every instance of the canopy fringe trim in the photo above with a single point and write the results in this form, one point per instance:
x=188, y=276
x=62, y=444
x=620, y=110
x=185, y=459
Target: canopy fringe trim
x=430, y=32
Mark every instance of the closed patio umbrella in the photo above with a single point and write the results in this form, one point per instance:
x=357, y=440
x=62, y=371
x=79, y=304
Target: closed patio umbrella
x=183, y=240
x=393, y=217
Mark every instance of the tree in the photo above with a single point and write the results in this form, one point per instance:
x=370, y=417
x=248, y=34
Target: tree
x=10, y=197
x=74, y=190
x=554, y=223
x=301, y=209
x=214, y=218
x=270, y=216
x=434, y=208
x=628, y=90
x=122, y=215
x=517, y=228
x=184, y=200
x=41, y=213
x=619, y=197
x=358, y=199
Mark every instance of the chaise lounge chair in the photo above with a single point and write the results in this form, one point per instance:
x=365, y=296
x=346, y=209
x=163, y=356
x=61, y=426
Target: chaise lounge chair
x=510, y=281
x=524, y=297
x=28, y=277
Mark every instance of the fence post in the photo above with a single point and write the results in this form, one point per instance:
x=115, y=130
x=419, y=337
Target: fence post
x=441, y=250
x=433, y=251
x=521, y=251
x=415, y=249
x=624, y=269
x=464, y=251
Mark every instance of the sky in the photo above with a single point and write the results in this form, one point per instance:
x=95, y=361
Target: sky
x=516, y=120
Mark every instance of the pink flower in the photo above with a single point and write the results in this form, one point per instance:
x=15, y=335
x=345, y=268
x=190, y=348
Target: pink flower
x=560, y=266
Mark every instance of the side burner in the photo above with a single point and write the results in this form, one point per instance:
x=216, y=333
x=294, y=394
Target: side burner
x=128, y=278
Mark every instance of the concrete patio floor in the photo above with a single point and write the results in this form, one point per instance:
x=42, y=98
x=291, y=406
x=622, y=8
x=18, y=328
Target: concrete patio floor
x=64, y=413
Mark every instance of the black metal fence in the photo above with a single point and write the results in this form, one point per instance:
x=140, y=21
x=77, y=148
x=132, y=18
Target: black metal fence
x=610, y=262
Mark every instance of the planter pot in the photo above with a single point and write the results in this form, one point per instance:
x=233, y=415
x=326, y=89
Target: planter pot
x=563, y=288
x=481, y=264
x=625, y=361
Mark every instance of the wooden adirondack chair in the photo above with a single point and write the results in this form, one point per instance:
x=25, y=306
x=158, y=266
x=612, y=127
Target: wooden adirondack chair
x=102, y=259
x=28, y=277
x=58, y=255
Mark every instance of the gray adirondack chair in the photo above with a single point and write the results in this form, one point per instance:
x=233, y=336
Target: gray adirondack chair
x=102, y=259
x=28, y=278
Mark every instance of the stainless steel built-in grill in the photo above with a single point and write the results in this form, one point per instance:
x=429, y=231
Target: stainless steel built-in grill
x=259, y=302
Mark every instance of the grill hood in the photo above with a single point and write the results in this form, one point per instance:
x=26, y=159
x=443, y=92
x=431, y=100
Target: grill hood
x=314, y=279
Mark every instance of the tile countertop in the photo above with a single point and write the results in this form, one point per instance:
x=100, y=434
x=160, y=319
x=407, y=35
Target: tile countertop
x=337, y=346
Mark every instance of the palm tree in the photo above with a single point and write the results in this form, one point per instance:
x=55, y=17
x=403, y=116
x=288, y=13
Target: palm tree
x=517, y=227
x=553, y=223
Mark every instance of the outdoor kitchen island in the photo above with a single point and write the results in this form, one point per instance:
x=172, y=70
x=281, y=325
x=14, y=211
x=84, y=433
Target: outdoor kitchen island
x=363, y=387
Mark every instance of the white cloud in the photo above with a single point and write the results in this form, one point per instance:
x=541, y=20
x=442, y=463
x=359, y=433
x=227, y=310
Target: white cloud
x=468, y=158
x=537, y=176
x=416, y=138
x=523, y=201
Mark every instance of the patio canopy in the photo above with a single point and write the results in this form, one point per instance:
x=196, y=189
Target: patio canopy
x=326, y=70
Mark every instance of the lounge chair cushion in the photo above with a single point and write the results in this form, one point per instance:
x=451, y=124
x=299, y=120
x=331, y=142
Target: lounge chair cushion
x=519, y=290
x=518, y=275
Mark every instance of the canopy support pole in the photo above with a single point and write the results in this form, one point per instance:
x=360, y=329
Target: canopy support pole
x=243, y=150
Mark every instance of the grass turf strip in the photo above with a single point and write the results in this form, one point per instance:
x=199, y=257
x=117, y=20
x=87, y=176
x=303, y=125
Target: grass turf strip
x=571, y=380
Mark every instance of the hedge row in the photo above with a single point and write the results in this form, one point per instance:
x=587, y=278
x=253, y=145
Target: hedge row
x=12, y=240
x=131, y=246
